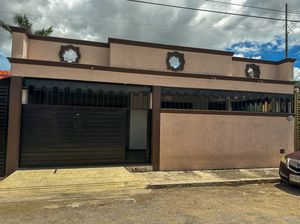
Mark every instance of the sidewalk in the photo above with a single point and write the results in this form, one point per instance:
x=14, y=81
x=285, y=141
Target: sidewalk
x=51, y=184
x=211, y=177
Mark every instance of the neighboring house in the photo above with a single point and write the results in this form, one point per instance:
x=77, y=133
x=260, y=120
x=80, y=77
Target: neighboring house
x=4, y=74
x=83, y=103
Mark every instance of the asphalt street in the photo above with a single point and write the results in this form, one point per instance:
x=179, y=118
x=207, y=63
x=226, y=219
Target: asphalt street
x=257, y=203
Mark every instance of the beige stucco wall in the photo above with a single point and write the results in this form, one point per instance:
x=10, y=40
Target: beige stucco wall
x=49, y=51
x=203, y=141
x=38, y=71
x=147, y=58
x=130, y=56
x=267, y=71
x=20, y=45
x=285, y=71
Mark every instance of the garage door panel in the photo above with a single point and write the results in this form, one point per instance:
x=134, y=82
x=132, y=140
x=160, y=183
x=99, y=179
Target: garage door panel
x=78, y=152
x=66, y=135
x=64, y=139
x=70, y=162
x=4, y=89
x=66, y=145
x=79, y=155
x=88, y=149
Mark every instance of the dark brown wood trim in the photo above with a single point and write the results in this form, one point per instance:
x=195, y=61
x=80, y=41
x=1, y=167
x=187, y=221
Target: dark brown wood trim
x=219, y=112
x=4, y=85
x=250, y=60
x=64, y=48
x=155, y=141
x=14, y=120
x=180, y=58
x=169, y=47
x=287, y=60
x=147, y=72
x=19, y=30
x=68, y=40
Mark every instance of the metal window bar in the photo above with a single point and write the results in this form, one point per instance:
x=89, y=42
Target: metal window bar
x=108, y=96
x=180, y=98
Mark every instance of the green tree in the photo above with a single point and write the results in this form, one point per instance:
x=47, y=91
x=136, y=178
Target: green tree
x=22, y=21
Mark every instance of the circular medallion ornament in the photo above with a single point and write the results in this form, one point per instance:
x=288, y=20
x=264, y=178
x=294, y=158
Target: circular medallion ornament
x=69, y=54
x=252, y=71
x=175, y=61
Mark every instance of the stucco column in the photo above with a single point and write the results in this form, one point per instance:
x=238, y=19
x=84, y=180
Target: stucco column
x=14, y=120
x=285, y=69
x=156, y=102
x=19, y=45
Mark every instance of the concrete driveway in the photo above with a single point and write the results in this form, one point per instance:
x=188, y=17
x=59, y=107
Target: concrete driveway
x=28, y=185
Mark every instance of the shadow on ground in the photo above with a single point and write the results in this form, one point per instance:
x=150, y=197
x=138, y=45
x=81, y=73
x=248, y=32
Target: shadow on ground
x=288, y=188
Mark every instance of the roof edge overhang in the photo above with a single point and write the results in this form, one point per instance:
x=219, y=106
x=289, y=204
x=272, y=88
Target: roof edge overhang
x=146, y=72
x=251, y=60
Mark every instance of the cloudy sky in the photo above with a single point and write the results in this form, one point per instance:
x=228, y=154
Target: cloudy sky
x=99, y=19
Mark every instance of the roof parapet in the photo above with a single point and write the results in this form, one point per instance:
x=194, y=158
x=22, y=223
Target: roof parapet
x=147, y=44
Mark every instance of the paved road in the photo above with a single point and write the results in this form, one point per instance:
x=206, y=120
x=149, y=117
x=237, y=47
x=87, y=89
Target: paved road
x=266, y=203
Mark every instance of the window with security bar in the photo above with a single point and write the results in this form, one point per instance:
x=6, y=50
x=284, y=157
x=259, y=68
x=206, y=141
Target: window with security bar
x=70, y=93
x=223, y=100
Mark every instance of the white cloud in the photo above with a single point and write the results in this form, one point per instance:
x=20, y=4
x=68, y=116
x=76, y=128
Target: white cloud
x=296, y=73
x=100, y=19
x=256, y=57
x=239, y=55
x=243, y=48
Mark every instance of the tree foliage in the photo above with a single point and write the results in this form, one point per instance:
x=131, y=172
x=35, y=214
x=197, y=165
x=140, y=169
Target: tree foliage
x=22, y=21
x=5, y=27
x=44, y=31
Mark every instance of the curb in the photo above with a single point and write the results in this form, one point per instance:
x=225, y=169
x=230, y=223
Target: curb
x=239, y=182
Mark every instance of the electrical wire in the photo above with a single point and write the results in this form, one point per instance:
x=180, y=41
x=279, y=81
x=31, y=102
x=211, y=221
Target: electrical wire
x=137, y=24
x=212, y=11
x=254, y=7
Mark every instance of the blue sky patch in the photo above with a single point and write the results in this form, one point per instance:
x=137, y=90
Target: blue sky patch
x=4, y=64
x=272, y=50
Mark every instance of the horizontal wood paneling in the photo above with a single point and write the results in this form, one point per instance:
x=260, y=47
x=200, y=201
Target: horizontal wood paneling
x=4, y=88
x=72, y=136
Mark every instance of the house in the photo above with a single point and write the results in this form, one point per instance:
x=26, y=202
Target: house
x=82, y=103
x=4, y=74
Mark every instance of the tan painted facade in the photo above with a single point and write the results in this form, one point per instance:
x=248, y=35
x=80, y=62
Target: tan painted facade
x=147, y=58
x=204, y=141
x=187, y=141
x=128, y=56
x=38, y=71
x=40, y=50
x=268, y=71
x=20, y=45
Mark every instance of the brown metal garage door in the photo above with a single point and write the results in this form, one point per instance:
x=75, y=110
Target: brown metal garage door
x=72, y=136
x=4, y=87
x=71, y=123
